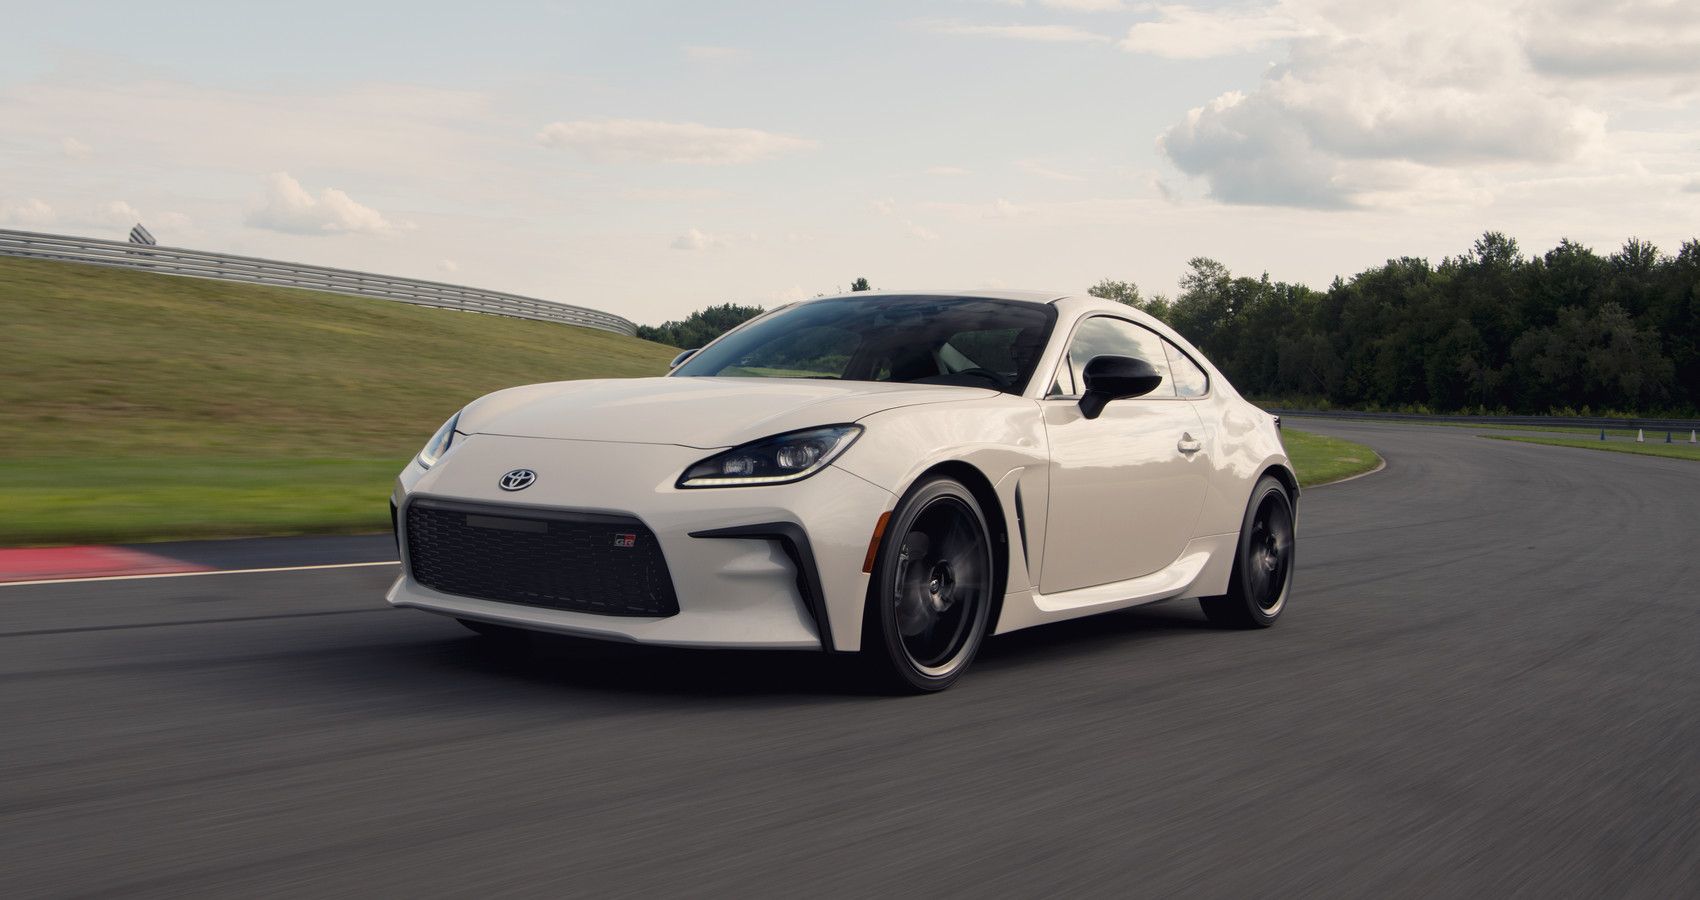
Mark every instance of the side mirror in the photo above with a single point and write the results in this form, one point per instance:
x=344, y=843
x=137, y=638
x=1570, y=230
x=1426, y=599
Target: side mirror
x=1116, y=378
x=680, y=359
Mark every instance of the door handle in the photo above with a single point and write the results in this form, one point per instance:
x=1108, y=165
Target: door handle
x=1188, y=444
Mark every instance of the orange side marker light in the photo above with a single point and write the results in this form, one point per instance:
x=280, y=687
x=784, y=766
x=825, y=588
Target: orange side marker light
x=874, y=542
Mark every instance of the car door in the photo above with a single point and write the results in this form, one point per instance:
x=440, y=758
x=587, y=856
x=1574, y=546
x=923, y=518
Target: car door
x=1126, y=487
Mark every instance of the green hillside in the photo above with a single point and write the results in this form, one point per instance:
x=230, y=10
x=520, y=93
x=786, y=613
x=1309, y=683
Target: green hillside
x=139, y=406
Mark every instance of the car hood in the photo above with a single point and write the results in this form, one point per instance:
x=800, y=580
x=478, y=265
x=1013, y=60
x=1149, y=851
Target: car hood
x=707, y=413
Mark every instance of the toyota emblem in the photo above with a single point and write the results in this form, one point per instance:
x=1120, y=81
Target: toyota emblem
x=518, y=480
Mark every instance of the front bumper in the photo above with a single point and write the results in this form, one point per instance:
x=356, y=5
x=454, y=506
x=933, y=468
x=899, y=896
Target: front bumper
x=738, y=557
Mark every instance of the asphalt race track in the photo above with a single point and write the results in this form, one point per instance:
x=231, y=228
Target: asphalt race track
x=1488, y=684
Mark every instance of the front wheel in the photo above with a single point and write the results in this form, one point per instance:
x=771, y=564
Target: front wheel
x=1263, y=565
x=930, y=597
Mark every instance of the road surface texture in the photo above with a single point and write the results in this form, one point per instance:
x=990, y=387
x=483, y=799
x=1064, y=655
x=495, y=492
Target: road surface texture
x=1487, y=684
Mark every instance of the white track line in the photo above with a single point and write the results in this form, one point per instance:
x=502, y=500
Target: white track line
x=1382, y=464
x=7, y=584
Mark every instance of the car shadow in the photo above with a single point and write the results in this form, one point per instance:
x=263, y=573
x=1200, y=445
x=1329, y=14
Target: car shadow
x=1106, y=632
x=619, y=668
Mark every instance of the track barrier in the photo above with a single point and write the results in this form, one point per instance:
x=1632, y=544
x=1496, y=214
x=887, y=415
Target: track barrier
x=226, y=267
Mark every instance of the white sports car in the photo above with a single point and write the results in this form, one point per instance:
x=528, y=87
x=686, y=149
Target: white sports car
x=891, y=475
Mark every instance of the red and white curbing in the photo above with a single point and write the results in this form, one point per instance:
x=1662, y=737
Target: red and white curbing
x=67, y=563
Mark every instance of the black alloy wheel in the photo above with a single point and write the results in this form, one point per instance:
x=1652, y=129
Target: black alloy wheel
x=1263, y=566
x=931, y=594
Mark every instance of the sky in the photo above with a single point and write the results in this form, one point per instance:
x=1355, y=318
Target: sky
x=650, y=158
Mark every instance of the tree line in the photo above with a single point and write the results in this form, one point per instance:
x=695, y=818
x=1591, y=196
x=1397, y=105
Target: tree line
x=1488, y=331
x=705, y=325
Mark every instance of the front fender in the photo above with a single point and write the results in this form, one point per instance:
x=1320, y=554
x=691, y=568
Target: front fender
x=1002, y=439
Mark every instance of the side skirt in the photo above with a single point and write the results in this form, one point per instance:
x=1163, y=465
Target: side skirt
x=1202, y=570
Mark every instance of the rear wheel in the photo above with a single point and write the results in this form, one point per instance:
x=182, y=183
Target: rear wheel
x=930, y=597
x=1263, y=565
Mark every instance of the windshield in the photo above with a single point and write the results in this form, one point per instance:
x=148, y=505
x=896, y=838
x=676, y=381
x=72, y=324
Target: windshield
x=965, y=341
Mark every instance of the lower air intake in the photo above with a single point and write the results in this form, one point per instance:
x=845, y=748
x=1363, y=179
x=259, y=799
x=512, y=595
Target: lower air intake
x=583, y=562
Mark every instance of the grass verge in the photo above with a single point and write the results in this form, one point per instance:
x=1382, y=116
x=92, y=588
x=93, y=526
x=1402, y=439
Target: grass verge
x=1651, y=448
x=1319, y=459
x=136, y=406
x=105, y=363
x=1610, y=430
x=132, y=500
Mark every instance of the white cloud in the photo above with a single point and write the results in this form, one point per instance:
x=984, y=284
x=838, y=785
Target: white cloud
x=75, y=149
x=1049, y=34
x=919, y=232
x=633, y=140
x=1072, y=5
x=696, y=239
x=703, y=53
x=117, y=213
x=389, y=128
x=292, y=209
x=1182, y=32
x=27, y=214
x=1086, y=5
x=1004, y=209
x=448, y=265
x=884, y=207
x=947, y=171
x=1617, y=39
x=1383, y=105
x=1042, y=171
x=675, y=195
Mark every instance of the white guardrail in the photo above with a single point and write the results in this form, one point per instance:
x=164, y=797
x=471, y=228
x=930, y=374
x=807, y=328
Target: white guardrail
x=202, y=264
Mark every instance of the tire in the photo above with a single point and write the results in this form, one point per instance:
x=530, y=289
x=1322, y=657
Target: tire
x=1262, y=579
x=931, y=593
x=490, y=631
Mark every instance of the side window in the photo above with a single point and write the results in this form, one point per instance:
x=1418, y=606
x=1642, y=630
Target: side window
x=1064, y=385
x=1190, y=380
x=1107, y=336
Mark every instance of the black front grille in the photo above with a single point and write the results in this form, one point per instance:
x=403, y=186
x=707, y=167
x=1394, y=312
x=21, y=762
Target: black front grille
x=575, y=561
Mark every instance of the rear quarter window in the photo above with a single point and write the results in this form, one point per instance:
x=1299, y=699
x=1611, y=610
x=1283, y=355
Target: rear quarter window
x=1189, y=377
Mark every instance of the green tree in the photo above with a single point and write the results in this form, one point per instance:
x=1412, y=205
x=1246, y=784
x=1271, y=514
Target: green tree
x=699, y=327
x=860, y=284
x=1487, y=329
x=1127, y=292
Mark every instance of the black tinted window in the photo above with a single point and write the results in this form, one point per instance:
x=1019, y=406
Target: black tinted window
x=921, y=340
x=820, y=351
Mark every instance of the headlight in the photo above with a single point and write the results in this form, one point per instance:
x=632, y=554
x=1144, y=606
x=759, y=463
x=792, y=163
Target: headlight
x=782, y=458
x=439, y=443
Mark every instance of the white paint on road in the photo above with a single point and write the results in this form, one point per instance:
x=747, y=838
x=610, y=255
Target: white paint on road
x=358, y=565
